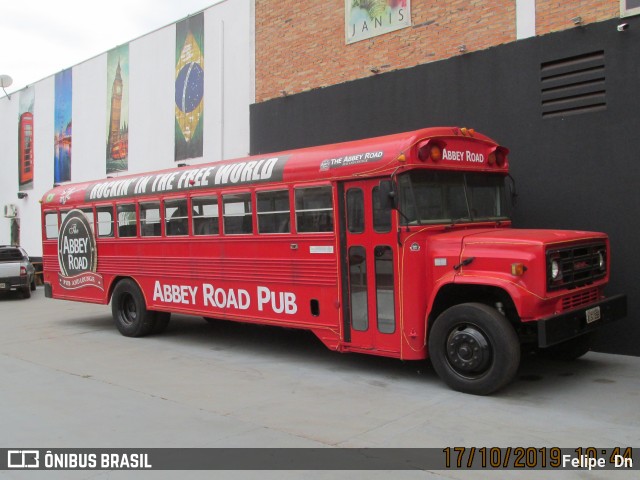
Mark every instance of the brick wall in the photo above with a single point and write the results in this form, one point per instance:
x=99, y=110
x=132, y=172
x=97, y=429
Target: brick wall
x=301, y=46
x=555, y=15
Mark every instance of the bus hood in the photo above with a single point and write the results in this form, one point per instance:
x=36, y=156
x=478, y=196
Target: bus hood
x=526, y=236
x=487, y=256
x=505, y=237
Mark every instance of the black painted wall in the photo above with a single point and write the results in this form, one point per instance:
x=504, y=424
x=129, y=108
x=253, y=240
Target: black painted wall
x=579, y=171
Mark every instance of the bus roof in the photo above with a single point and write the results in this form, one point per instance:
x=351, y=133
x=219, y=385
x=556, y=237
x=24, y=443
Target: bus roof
x=370, y=157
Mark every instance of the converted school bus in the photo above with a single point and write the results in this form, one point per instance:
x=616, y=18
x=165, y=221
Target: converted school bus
x=399, y=246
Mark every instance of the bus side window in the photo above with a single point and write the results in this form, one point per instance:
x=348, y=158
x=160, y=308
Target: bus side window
x=51, y=224
x=150, y=219
x=273, y=211
x=314, y=209
x=105, y=221
x=88, y=213
x=237, y=214
x=127, y=221
x=355, y=210
x=205, y=215
x=381, y=213
x=176, y=217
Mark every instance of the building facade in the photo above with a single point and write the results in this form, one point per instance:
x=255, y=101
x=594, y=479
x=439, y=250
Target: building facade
x=554, y=81
x=119, y=112
x=557, y=87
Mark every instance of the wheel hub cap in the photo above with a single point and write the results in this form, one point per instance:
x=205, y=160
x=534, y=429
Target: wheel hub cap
x=468, y=350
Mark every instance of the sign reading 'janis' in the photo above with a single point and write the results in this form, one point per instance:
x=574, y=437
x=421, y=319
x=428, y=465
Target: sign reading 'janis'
x=369, y=18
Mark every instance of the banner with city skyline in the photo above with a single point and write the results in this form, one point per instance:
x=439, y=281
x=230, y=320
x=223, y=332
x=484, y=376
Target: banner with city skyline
x=25, y=139
x=118, y=109
x=189, y=87
x=62, y=126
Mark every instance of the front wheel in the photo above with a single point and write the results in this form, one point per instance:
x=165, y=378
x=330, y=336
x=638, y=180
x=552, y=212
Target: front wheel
x=130, y=311
x=474, y=348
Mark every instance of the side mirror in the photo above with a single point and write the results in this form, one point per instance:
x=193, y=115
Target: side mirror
x=387, y=194
x=512, y=191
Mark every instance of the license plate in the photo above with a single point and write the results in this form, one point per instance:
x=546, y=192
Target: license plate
x=593, y=314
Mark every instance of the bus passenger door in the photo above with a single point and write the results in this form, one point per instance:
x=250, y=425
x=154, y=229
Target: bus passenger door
x=369, y=252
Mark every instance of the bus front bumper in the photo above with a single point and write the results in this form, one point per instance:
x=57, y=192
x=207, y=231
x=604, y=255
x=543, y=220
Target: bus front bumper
x=565, y=326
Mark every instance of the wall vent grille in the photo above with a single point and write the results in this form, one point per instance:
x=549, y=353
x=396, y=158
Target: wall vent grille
x=574, y=85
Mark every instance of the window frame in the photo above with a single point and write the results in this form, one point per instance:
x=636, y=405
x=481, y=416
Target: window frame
x=330, y=209
x=194, y=218
x=273, y=212
x=250, y=214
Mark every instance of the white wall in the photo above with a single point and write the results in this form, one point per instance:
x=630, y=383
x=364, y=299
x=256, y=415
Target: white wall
x=229, y=90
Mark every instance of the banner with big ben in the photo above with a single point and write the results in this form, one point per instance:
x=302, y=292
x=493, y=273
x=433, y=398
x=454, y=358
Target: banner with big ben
x=189, y=87
x=62, y=124
x=25, y=139
x=118, y=109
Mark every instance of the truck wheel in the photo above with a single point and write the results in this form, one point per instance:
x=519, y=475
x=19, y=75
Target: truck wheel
x=130, y=311
x=569, y=350
x=474, y=348
x=161, y=322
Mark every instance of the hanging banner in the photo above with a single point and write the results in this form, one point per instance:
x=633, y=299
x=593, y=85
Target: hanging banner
x=25, y=139
x=189, y=87
x=62, y=127
x=118, y=109
x=369, y=18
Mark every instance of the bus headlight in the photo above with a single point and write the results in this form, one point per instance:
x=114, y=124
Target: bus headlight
x=555, y=270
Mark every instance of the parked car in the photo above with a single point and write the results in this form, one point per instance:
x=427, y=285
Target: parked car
x=16, y=271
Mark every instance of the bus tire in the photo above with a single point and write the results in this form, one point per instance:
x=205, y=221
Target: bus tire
x=130, y=311
x=161, y=322
x=474, y=348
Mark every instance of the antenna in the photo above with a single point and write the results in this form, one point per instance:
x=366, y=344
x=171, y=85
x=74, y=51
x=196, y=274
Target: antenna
x=6, y=81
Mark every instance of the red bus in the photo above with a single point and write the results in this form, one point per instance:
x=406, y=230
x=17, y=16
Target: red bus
x=398, y=246
x=25, y=145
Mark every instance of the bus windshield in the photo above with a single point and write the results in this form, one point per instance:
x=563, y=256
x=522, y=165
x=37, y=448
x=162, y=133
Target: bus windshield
x=432, y=197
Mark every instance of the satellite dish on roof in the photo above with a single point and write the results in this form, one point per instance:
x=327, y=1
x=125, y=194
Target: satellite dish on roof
x=6, y=81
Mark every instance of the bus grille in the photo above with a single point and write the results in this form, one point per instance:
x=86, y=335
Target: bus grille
x=579, y=299
x=579, y=265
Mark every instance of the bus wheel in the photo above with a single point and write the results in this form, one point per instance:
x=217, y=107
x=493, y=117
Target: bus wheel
x=130, y=311
x=474, y=348
x=161, y=322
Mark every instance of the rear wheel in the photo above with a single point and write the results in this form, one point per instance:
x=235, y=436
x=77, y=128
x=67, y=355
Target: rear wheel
x=26, y=292
x=474, y=348
x=130, y=311
x=33, y=285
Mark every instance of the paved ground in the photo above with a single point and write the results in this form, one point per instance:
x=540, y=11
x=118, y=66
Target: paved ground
x=69, y=379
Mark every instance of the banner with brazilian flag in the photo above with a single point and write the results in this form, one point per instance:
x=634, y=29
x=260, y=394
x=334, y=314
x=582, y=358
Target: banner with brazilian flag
x=189, y=87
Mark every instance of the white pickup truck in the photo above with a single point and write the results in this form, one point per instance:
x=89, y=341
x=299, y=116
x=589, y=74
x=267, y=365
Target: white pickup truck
x=16, y=271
